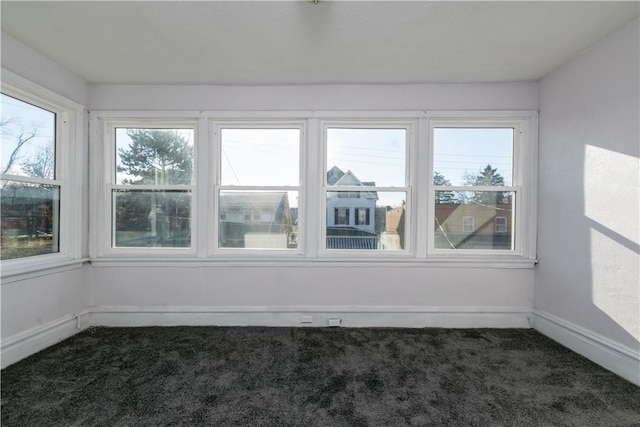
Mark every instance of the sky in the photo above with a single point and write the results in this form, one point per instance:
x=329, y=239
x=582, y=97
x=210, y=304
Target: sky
x=271, y=157
x=458, y=151
x=260, y=157
x=21, y=118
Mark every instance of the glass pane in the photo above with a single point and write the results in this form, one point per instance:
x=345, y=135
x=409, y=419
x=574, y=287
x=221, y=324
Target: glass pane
x=473, y=156
x=152, y=218
x=30, y=219
x=260, y=157
x=258, y=219
x=366, y=157
x=366, y=220
x=28, y=139
x=474, y=220
x=154, y=156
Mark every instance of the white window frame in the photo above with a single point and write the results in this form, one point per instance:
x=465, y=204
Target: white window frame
x=68, y=175
x=523, y=186
x=409, y=125
x=312, y=189
x=106, y=233
x=215, y=160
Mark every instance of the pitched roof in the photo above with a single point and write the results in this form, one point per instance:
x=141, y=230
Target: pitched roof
x=252, y=199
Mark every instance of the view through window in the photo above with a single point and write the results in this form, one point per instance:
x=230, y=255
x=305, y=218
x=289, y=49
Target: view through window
x=366, y=189
x=30, y=196
x=474, y=197
x=151, y=200
x=259, y=188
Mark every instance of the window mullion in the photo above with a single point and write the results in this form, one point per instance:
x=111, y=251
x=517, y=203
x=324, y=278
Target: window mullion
x=201, y=193
x=314, y=201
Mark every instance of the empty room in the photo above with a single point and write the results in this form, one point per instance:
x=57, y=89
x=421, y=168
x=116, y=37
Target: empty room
x=320, y=213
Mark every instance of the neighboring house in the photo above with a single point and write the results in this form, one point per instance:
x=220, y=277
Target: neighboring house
x=473, y=226
x=393, y=236
x=351, y=215
x=255, y=219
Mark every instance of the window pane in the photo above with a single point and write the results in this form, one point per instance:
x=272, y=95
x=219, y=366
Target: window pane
x=366, y=157
x=152, y=218
x=260, y=157
x=473, y=156
x=154, y=156
x=474, y=220
x=28, y=139
x=30, y=219
x=258, y=219
x=366, y=220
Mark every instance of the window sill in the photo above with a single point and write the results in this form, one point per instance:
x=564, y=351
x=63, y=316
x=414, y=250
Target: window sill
x=24, y=269
x=324, y=262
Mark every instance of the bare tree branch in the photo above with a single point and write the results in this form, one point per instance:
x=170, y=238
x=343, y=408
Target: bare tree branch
x=22, y=138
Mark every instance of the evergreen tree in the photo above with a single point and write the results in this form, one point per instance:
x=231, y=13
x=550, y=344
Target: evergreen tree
x=488, y=177
x=443, y=197
x=159, y=156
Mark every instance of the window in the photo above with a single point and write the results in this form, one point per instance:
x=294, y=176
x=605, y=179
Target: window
x=151, y=197
x=342, y=216
x=258, y=187
x=30, y=190
x=362, y=216
x=481, y=183
x=366, y=171
x=468, y=224
x=501, y=224
x=433, y=187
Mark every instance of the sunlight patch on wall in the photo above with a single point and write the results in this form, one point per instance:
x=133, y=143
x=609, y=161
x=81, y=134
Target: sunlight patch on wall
x=611, y=190
x=612, y=210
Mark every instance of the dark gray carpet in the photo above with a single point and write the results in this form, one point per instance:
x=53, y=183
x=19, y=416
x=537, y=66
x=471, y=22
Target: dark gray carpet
x=313, y=377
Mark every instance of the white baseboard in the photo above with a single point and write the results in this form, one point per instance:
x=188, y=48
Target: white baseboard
x=24, y=344
x=620, y=359
x=350, y=316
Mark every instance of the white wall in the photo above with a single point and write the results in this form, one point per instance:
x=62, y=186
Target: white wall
x=588, y=245
x=40, y=309
x=518, y=96
x=35, y=301
x=431, y=294
x=44, y=304
x=33, y=66
x=346, y=289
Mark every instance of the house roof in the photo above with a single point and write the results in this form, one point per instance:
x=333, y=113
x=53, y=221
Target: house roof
x=253, y=199
x=333, y=175
x=336, y=177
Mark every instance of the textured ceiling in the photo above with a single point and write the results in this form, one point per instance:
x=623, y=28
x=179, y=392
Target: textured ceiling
x=298, y=42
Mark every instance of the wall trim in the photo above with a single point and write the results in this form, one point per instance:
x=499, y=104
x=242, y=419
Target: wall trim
x=287, y=316
x=24, y=344
x=617, y=358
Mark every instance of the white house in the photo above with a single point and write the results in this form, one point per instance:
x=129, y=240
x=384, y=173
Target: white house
x=350, y=214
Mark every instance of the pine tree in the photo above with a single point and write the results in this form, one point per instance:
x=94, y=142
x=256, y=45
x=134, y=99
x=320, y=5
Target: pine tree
x=443, y=197
x=488, y=177
x=157, y=156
